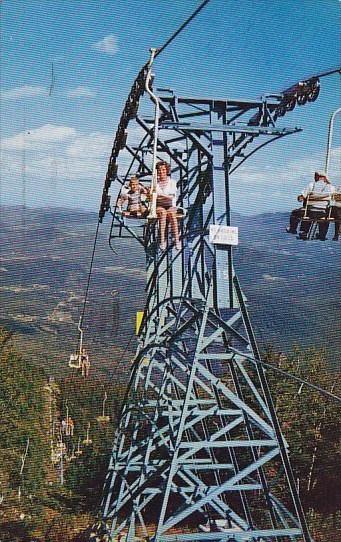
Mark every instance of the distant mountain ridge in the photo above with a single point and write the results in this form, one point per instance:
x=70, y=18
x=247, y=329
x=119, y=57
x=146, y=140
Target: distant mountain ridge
x=293, y=287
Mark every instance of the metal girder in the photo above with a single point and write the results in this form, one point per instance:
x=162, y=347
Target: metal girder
x=198, y=453
x=230, y=128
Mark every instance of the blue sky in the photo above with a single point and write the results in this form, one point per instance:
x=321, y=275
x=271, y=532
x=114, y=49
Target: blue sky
x=58, y=146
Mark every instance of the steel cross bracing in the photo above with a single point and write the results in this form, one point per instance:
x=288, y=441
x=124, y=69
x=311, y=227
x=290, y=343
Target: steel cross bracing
x=198, y=454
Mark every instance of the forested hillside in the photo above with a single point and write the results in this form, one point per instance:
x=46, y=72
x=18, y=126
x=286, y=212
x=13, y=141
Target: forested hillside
x=51, y=478
x=50, y=482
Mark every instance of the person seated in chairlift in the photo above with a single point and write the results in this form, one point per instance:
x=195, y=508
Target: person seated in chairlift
x=64, y=426
x=133, y=198
x=166, y=204
x=71, y=426
x=84, y=362
x=336, y=212
x=315, y=198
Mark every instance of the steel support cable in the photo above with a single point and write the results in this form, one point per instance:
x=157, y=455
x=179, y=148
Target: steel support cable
x=288, y=374
x=177, y=32
x=330, y=71
x=126, y=347
x=89, y=275
x=327, y=393
x=80, y=324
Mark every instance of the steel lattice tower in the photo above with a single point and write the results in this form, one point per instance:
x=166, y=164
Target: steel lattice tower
x=199, y=454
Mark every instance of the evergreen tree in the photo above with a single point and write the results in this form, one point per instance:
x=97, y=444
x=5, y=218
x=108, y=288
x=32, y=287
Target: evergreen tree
x=24, y=448
x=311, y=423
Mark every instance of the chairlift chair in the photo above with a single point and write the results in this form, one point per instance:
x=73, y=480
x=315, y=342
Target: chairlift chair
x=123, y=216
x=316, y=221
x=151, y=218
x=103, y=418
x=61, y=448
x=55, y=456
x=69, y=427
x=85, y=363
x=75, y=359
x=80, y=359
x=137, y=215
x=335, y=204
x=142, y=228
x=87, y=441
x=73, y=455
x=78, y=451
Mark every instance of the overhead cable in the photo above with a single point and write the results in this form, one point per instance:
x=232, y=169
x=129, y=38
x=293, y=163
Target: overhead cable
x=89, y=275
x=303, y=382
x=177, y=32
x=288, y=374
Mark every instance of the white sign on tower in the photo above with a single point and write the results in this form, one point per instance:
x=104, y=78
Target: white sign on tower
x=223, y=235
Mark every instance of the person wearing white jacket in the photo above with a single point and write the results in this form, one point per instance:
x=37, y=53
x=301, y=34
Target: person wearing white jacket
x=316, y=197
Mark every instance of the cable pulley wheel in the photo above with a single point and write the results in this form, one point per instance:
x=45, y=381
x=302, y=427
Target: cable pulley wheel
x=314, y=93
x=302, y=99
x=291, y=103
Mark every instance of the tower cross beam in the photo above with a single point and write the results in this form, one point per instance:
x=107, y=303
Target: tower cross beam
x=230, y=128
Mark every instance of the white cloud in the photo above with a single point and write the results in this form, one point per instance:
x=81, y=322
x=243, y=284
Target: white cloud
x=292, y=174
x=37, y=138
x=55, y=164
x=272, y=182
x=58, y=152
x=271, y=278
x=95, y=145
x=108, y=45
x=81, y=92
x=26, y=91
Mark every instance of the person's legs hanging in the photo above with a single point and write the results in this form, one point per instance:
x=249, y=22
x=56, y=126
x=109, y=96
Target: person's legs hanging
x=336, y=214
x=162, y=216
x=295, y=217
x=171, y=216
